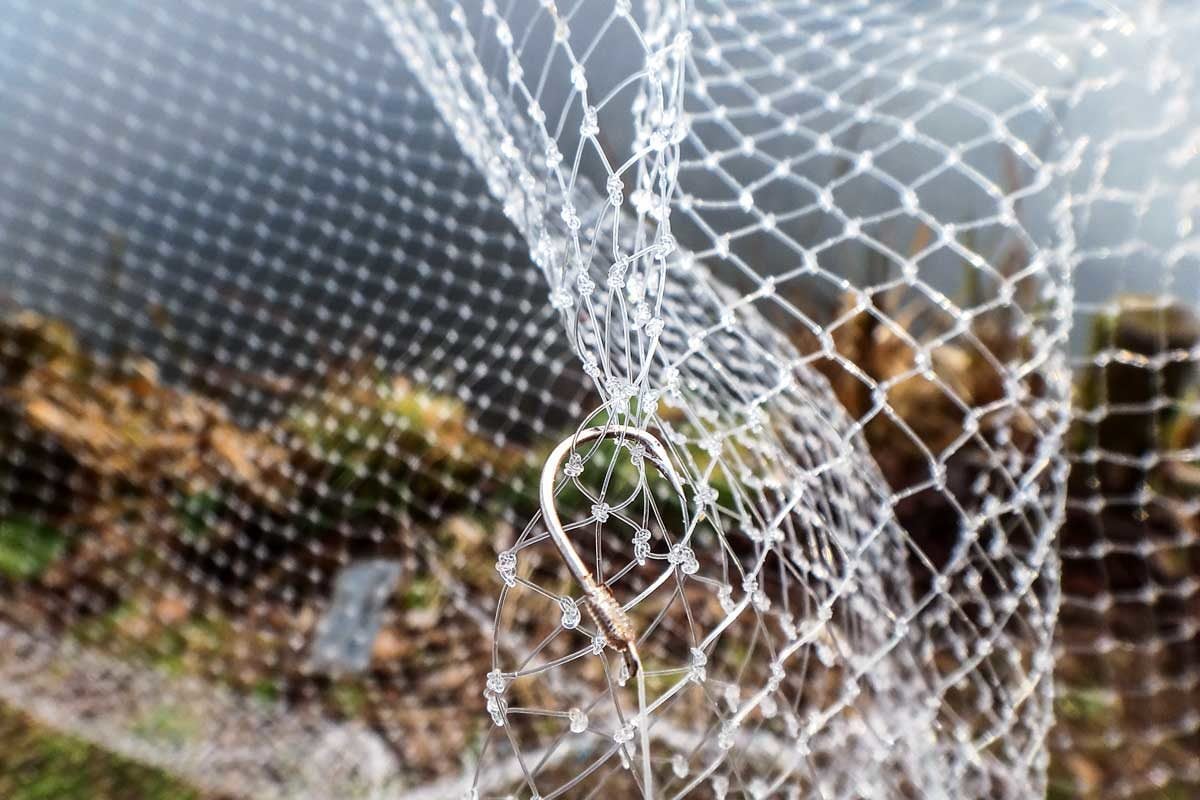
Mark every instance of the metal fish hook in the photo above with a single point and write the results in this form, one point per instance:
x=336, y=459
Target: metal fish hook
x=604, y=608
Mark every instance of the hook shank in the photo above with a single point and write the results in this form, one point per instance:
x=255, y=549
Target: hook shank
x=604, y=608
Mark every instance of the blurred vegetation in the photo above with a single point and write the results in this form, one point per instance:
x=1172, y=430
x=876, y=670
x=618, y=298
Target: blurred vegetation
x=1132, y=530
x=37, y=763
x=28, y=547
x=119, y=472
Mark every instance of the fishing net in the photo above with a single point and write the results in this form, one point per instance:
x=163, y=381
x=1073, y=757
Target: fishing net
x=1127, y=642
x=423, y=399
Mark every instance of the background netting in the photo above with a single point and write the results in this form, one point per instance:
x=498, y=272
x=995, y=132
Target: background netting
x=866, y=330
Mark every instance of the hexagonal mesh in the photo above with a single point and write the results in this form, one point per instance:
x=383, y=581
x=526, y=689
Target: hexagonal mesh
x=414, y=398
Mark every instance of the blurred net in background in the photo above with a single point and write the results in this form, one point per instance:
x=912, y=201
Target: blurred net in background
x=300, y=298
x=1128, y=710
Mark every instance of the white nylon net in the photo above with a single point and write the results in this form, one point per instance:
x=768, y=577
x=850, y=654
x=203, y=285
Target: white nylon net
x=1127, y=638
x=414, y=398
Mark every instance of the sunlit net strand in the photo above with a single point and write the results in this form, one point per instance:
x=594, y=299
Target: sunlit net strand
x=420, y=184
x=684, y=306
x=1135, y=206
x=743, y=405
x=532, y=155
x=415, y=179
x=1043, y=666
x=761, y=743
x=431, y=178
x=823, y=143
x=723, y=242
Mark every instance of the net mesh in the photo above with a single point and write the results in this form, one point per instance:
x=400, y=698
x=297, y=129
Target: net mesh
x=533, y=399
x=1127, y=657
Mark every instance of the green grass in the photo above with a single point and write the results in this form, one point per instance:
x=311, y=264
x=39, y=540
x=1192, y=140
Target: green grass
x=40, y=764
x=1086, y=705
x=421, y=592
x=167, y=723
x=196, y=512
x=28, y=547
x=350, y=699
